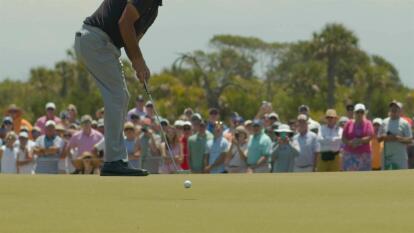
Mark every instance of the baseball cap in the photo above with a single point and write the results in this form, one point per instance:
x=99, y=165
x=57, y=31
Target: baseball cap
x=50, y=105
x=149, y=103
x=283, y=128
x=302, y=117
x=396, y=103
x=50, y=123
x=86, y=118
x=129, y=125
x=8, y=119
x=165, y=121
x=257, y=122
x=187, y=123
x=377, y=121
x=140, y=98
x=303, y=108
x=331, y=113
x=23, y=135
x=343, y=119
x=273, y=115
x=360, y=107
x=179, y=123
x=248, y=122
x=196, y=117
x=36, y=129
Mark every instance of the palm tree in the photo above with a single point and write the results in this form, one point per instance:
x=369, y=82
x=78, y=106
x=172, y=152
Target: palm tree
x=330, y=45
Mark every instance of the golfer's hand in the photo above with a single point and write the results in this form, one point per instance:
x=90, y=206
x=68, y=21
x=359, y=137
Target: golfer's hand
x=141, y=70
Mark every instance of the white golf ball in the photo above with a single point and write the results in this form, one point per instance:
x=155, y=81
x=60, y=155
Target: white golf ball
x=187, y=184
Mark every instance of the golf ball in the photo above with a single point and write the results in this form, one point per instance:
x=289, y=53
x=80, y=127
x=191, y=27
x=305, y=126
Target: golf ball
x=187, y=184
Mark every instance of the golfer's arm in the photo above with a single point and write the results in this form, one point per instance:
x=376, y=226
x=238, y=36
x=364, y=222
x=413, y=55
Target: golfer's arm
x=128, y=33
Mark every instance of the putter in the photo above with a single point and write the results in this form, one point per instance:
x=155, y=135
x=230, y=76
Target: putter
x=163, y=135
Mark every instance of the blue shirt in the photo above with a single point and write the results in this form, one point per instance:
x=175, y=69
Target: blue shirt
x=215, y=147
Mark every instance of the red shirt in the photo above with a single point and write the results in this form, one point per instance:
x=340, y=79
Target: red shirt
x=185, y=165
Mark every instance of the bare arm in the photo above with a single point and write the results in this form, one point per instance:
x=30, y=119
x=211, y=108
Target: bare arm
x=126, y=27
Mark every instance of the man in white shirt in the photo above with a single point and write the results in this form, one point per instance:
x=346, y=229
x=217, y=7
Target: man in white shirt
x=308, y=144
x=331, y=141
x=313, y=125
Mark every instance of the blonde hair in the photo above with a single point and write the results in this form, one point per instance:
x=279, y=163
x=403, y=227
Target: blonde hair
x=11, y=136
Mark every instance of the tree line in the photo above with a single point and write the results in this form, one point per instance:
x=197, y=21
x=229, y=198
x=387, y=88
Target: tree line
x=237, y=73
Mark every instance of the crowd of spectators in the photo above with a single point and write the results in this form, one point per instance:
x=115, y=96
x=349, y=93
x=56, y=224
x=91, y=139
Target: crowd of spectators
x=65, y=143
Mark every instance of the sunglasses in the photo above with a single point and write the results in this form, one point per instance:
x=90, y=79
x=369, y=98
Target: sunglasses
x=360, y=112
x=186, y=128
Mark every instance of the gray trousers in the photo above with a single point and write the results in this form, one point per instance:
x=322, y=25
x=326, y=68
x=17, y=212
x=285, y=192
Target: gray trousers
x=95, y=49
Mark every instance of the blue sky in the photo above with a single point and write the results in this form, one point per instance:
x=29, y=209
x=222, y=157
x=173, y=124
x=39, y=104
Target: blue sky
x=38, y=32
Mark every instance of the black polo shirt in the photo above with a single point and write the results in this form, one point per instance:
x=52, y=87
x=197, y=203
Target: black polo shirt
x=106, y=17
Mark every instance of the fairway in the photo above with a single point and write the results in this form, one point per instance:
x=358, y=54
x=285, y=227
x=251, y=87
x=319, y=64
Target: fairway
x=315, y=202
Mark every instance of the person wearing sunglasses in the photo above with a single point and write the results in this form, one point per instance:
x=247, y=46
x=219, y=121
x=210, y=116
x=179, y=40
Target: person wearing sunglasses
x=356, y=137
x=331, y=142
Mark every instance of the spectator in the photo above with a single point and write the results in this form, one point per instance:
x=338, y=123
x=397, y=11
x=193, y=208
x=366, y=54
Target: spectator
x=410, y=152
x=72, y=116
x=187, y=132
x=101, y=126
x=149, y=110
x=342, y=121
x=258, y=149
x=216, y=150
x=130, y=144
x=138, y=111
x=350, y=111
x=236, y=120
x=213, y=117
x=308, y=144
x=197, y=147
x=100, y=113
x=82, y=141
x=356, y=136
x=36, y=132
x=188, y=113
x=331, y=142
x=25, y=162
x=48, y=150
x=135, y=119
x=172, y=153
x=396, y=134
x=248, y=125
x=148, y=149
x=377, y=146
x=16, y=114
x=195, y=122
x=6, y=127
x=314, y=126
x=236, y=158
x=292, y=124
x=284, y=150
x=8, y=154
x=50, y=115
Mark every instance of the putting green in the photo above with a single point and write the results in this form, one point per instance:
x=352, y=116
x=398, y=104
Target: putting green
x=319, y=202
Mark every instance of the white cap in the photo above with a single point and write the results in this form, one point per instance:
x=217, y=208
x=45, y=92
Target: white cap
x=23, y=135
x=187, y=123
x=360, y=107
x=377, y=121
x=284, y=129
x=179, y=123
x=273, y=114
x=50, y=105
x=50, y=123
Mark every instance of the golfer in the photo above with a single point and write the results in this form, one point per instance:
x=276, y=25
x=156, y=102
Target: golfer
x=116, y=24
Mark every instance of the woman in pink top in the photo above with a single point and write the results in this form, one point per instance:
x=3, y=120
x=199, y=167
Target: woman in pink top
x=356, y=136
x=176, y=152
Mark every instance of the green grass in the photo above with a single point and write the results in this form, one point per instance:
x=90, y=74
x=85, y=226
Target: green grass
x=320, y=202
